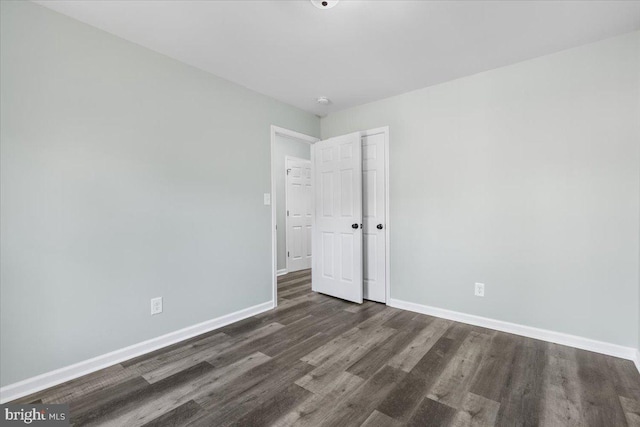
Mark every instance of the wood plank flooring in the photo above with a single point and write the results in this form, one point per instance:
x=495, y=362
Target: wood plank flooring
x=321, y=361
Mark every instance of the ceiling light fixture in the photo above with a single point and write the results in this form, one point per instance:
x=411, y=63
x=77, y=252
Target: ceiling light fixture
x=324, y=4
x=323, y=100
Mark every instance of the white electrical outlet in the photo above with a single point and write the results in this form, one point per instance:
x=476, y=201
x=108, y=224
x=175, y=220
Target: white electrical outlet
x=156, y=305
x=479, y=289
x=267, y=198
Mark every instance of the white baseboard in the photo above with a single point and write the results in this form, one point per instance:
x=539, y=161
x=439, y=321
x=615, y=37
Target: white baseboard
x=525, y=331
x=49, y=379
x=281, y=272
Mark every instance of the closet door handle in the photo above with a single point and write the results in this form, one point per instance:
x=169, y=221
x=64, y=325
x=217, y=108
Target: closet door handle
x=354, y=226
x=379, y=226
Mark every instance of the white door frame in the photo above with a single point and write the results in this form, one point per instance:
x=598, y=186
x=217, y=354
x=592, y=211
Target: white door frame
x=286, y=201
x=278, y=131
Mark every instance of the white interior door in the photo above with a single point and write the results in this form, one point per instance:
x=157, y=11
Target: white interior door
x=299, y=205
x=337, y=235
x=373, y=216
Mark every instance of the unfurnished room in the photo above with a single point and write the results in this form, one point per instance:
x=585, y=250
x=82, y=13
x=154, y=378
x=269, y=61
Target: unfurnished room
x=319, y=213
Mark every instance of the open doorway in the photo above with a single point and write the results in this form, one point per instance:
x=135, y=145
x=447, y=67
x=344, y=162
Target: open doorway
x=331, y=202
x=292, y=209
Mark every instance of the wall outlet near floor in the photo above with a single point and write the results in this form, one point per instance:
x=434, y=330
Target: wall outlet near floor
x=479, y=289
x=156, y=305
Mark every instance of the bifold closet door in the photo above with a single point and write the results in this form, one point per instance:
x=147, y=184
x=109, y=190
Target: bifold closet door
x=337, y=235
x=374, y=217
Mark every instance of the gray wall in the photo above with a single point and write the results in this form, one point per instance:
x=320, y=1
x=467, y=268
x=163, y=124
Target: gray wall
x=285, y=147
x=525, y=178
x=126, y=175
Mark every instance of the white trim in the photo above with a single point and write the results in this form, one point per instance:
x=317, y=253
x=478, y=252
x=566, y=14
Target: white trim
x=525, y=331
x=282, y=272
x=276, y=130
x=387, y=204
x=293, y=134
x=49, y=379
x=286, y=203
x=637, y=360
x=313, y=209
x=387, y=256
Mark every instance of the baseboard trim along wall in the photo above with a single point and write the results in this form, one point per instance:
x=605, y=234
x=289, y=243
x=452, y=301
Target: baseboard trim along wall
x=281, y=272
x=525, y=331
x=49, y=379
x=59, y=376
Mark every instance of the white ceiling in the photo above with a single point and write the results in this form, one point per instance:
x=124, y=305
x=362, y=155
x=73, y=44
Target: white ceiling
x=359, y=51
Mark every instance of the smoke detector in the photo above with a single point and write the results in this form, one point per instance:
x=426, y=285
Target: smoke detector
x=324, y=4
x=323, y=100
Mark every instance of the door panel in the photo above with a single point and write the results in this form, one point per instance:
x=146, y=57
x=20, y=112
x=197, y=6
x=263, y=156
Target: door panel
x=370, y=250
x=369, y=178
x=373, y=194
x=309, y=245
x=327, y=194
x=337, y=268
x=326, y=256
x=299, y=213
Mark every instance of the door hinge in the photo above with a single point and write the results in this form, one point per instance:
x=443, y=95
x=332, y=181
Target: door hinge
x=287, y=253
x=287, y=213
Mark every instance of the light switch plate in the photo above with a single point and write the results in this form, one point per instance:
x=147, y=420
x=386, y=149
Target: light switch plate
x=267, y=198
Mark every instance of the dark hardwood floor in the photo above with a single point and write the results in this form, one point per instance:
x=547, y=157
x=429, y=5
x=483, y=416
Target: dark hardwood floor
x=320, y=361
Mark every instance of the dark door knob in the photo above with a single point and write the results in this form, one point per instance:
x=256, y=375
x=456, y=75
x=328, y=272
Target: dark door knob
x=379, y=226
x=354, y=226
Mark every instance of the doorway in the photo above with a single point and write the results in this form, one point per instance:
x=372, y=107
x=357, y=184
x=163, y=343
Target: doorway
x=286, y=146
x=342, y=230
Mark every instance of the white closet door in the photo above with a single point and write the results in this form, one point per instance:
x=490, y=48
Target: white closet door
x=337, y=236
x=374, y=221
x=299, y=213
